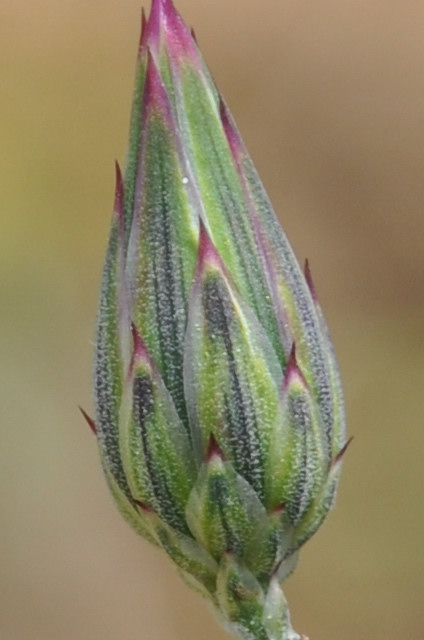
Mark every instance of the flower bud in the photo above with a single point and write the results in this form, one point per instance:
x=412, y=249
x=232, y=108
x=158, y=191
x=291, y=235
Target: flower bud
x=219, y=411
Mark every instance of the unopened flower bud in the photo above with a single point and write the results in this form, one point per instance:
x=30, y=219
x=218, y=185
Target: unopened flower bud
x=219, y=412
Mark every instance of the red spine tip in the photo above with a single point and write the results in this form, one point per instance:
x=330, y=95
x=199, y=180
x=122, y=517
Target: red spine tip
x=118, y=206
x=152, y=26
x=338, y=458
x=140, y=356
x=143, y=506
x=292, y=362
x=153, y=85
x=213, y=450
x=293, y=370
x=309, y=281
x=279, y=509
x=292, y=366
x=229, y=129
x=167, y=7
x=89, y=421
x=207, y=252
x=155, y=95
x=138, y=343
x=142, y=40
x=205, y=243
x=168, y=26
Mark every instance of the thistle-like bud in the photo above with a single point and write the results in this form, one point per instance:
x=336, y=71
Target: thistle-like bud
x=219, y=411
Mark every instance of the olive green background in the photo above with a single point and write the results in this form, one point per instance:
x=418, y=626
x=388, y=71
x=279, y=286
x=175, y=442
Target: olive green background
x=329, y=96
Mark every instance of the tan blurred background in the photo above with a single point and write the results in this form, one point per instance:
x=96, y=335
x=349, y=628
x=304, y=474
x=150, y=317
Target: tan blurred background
x=329, y=96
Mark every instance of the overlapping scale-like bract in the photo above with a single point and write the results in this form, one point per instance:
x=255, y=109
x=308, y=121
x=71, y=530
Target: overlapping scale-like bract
x=219, y=411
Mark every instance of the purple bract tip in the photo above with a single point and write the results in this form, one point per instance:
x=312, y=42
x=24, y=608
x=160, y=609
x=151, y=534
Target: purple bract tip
x=166, y=25
x=207, y=253
x=279, y=509
x=151, y=29
x=89, y=421
x=213, y=450
x=309, y=281
x=231, y=132
x=143, y=506
x=293, y=371
x=143, y=31
x=338, y=458
x=164, y=8
x=118, y=206
x=155, y=95
x=140, y=350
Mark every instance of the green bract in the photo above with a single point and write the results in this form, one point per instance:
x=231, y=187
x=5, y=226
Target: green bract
x=219, y=412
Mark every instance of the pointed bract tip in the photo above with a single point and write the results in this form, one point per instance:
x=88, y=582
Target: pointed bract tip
x=143, y=31
x=292, y=363
x=160, y=13
x=89, y=421
x=118, y=205
x=155, y=95
x=153, y=83
x=279, y=509
x=193, y=35
x=152, y=26
x=309, y=281
x=156, y=20
x=165, y=21
x=213, y=450
x=293, y=371
x=230, y=131
x=207, y=252
x=140, y=357
x=339, y=457
x=139, y=347
x=143, y=506
x=161, y=6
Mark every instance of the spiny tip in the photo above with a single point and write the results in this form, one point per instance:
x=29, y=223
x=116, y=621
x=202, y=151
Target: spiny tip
x=163, y=5
x=292, y=362
x=207, y=252
x=293, y=371
x=153, y=83
x=142, y=39
x=230, y=130
x=138, y=342
x=309, y=281
x=213, y=450
x=338, y=458
x=279, y=509
x=118, y=206
x=160, y=13
x=89, y=421
x=292, y=367
x=165, y=25
x=155, y=95
x=143, y=506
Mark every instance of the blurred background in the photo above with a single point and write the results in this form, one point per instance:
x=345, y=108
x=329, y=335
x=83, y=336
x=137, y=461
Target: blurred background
x=329, y=96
